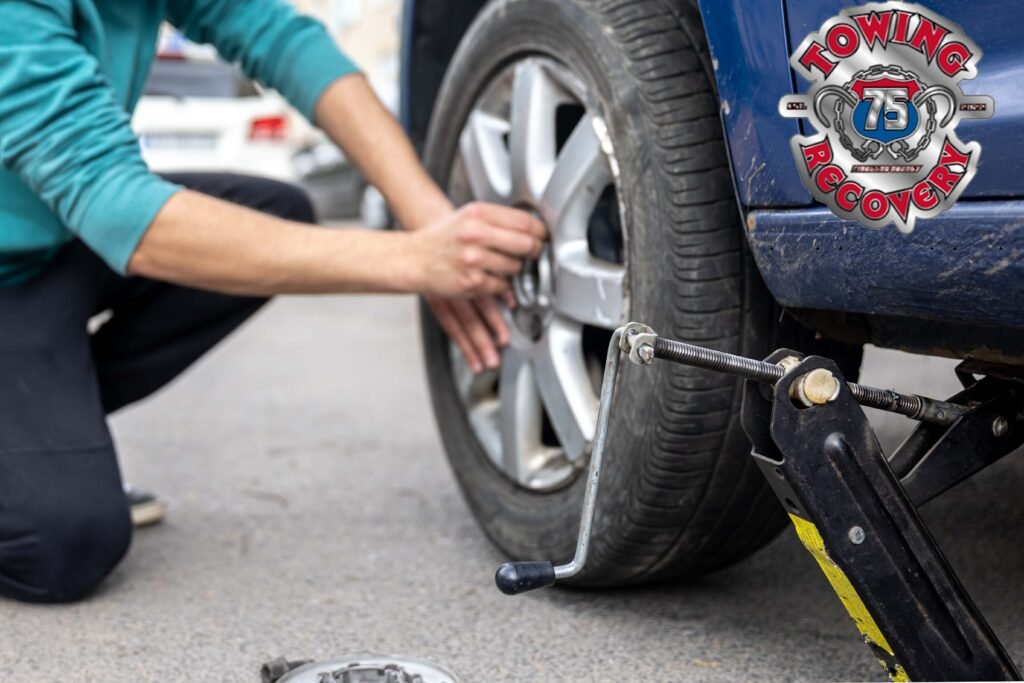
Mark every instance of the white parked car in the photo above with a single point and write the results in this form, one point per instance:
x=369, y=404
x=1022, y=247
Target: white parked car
x=204, y=115
x=201, y=114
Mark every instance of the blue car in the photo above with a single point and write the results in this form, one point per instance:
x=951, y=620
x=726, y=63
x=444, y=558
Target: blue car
x=647, y=134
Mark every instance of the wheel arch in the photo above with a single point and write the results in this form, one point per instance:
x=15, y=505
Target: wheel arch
x=431, y=31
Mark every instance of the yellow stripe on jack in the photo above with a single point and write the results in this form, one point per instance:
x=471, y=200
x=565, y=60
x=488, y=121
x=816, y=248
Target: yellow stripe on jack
x=814, y=543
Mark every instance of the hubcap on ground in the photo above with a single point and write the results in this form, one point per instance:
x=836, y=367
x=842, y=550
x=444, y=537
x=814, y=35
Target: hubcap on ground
x=533, y=141
x=362, y=668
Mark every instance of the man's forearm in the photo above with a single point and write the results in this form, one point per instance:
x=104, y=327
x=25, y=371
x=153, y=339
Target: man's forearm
x=205, y=242
x=352, y=115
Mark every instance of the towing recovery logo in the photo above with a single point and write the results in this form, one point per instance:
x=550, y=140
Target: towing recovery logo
x=885, y=100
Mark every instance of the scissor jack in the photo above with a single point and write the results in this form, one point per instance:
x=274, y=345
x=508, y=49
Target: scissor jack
x=853, y=509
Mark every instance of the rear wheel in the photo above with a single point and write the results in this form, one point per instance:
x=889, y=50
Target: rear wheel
x=599, y=117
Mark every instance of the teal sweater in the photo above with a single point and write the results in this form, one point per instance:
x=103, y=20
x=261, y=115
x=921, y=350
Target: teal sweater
x=71, y=71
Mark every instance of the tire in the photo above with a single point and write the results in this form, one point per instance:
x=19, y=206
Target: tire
x=680, y=494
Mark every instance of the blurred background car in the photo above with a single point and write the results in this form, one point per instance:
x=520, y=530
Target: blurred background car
x=199, y=113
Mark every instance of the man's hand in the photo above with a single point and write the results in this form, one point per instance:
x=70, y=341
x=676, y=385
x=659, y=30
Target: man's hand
x=475, y=250
x=472, y=253
x=475, y=326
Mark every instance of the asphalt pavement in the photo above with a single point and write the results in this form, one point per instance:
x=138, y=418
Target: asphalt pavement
x=312, y=514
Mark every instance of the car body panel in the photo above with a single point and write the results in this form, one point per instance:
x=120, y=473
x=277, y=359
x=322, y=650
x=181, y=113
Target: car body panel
x=750, y=58
x=966, y=265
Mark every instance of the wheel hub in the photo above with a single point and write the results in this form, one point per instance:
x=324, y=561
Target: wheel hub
x=534, y=291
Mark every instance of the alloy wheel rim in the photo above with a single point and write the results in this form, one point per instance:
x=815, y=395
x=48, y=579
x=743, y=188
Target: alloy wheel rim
x=536, y=416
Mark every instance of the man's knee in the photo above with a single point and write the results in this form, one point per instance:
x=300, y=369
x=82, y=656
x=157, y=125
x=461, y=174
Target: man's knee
x=51, y=554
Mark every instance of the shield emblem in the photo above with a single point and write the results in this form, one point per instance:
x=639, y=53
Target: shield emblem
x=885, y=108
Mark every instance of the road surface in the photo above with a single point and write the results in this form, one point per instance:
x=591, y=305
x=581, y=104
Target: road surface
x=312, y=514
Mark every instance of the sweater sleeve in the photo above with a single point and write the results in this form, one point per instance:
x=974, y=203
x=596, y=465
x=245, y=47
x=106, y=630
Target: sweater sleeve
x=63, y=132
x=274, y=43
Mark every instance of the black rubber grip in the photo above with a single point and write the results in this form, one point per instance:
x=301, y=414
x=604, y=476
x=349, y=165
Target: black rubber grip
x=513, y=578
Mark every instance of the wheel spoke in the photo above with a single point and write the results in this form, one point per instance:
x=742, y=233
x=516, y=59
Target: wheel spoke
x=565, y=387
x=472, y=387
x=588, y=290
x=485, y=158
x=520, y=414
x=476, y=391
x=483, y=417
x=580, y=176
x=532, y=136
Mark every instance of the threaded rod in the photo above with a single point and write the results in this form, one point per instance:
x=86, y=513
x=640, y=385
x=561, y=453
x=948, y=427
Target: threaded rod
x=719, y=361
x=913, y=406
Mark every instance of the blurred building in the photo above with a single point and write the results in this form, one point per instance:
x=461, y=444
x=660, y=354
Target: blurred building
x=369, y=32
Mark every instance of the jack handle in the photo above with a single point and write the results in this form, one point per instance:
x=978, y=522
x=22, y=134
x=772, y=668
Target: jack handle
x=513, y=578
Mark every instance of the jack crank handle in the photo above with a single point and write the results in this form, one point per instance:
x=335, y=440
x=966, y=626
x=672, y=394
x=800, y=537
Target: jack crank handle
x=513, y=578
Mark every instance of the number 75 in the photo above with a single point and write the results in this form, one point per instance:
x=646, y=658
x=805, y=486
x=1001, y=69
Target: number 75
x=887, y=100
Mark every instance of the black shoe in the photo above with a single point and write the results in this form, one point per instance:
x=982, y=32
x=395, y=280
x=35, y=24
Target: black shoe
x=146, y=508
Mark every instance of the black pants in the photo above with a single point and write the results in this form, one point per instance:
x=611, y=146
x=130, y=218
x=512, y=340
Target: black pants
x=64, y=524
